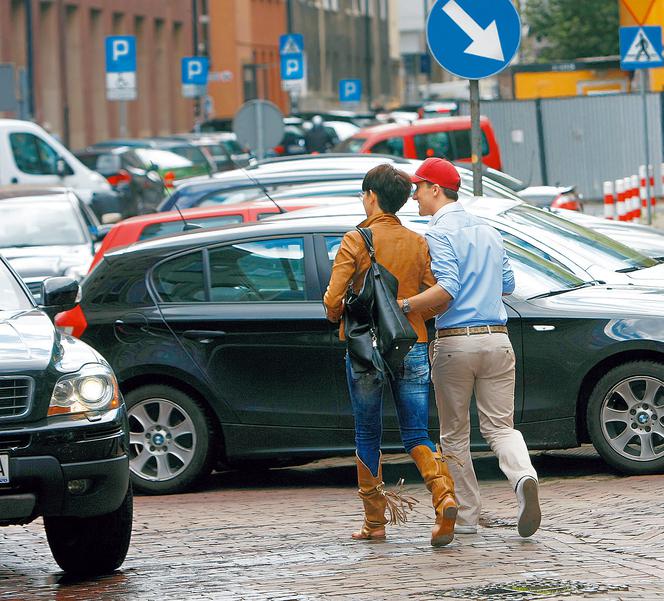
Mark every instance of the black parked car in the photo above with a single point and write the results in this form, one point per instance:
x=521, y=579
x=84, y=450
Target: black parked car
x=63, y=432
x=222, y=349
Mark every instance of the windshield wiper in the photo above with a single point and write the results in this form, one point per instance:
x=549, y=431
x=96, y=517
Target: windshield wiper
x=633, y=268
x=563, y=290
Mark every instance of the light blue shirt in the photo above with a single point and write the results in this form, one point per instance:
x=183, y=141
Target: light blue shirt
x=469, y=261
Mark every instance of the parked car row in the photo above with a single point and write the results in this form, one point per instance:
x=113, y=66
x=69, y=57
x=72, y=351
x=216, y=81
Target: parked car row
x=187, y=305
x=220, y=316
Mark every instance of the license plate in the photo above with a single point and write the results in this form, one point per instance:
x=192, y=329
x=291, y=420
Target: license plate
x=4, y=469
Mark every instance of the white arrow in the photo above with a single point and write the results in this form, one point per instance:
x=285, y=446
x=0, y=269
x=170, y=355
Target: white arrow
x=486, y=42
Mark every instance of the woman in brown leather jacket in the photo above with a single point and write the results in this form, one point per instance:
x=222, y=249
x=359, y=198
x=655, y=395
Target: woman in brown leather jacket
x=405, y=254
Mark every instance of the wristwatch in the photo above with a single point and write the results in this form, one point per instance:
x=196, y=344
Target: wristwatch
x=405, y=305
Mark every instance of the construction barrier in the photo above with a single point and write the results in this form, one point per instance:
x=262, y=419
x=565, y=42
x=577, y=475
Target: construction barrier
x=609, y=201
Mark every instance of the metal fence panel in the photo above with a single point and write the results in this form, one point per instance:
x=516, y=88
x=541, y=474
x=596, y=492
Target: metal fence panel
x=589, y=140
x=586, y=140
x=515, y=124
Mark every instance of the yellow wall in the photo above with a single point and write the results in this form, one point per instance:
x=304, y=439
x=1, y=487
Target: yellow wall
x=640, y=9
x=551, y=84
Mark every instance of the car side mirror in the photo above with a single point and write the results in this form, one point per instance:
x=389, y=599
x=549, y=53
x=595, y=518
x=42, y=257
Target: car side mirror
x=60, y=167
x=59, y=294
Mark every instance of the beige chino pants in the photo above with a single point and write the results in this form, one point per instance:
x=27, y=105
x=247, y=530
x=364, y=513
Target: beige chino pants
x=483, y=363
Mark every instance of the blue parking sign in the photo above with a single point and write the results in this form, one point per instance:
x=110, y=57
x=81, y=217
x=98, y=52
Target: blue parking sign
x=120, y=53
x=350, y=90
x=195, y=70
x=292, y=67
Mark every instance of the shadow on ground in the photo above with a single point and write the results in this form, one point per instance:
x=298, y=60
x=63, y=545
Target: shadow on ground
x=340, y=472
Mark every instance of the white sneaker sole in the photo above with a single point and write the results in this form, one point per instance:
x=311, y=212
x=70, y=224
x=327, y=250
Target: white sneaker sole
x=465, y=529
x=530, y=515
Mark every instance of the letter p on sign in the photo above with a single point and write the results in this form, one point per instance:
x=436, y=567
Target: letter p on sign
x=120, y=48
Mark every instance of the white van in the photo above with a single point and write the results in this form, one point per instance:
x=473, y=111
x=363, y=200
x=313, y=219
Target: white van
x=30, y=155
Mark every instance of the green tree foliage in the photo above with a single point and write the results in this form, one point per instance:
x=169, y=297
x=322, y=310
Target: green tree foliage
x=571, y=29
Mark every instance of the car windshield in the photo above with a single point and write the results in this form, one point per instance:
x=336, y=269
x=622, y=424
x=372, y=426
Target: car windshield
x=534, y=275
x=163, y=159
x=233, y=146
x=595, y=247
x=12, y=296
x=191, y=153
x=48, y=223
x=350, y=145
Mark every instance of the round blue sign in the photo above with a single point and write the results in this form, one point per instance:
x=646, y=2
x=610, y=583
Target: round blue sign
x=473, y=39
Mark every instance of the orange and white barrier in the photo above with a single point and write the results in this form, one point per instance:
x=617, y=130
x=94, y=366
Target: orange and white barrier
x=609, y=201
x=620, y=195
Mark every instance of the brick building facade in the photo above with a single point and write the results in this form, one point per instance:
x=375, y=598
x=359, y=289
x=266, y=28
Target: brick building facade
x=69, y=64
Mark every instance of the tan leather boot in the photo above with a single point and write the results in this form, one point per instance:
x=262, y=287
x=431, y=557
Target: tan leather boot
x=437, y=478
x=373, y=497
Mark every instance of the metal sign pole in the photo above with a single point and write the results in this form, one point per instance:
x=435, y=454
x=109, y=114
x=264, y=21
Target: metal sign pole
x=260, y=151
x=646, y=137
x=122, y=106
x=476, y=136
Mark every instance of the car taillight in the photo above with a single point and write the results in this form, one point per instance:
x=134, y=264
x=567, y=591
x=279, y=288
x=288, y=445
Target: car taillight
x=565, y=202
x=280, y=149
x=169, y=178
x=72, y=322
x=121, y=177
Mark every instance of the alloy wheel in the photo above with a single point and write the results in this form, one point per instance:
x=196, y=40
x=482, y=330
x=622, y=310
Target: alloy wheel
x=632, y=418
x=162, y=439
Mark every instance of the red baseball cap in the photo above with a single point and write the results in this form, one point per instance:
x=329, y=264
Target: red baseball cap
x=438, y=171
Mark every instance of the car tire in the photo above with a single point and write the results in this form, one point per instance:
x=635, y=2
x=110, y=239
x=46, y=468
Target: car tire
x=625, y=417
x=91, y=546
x=174, y=455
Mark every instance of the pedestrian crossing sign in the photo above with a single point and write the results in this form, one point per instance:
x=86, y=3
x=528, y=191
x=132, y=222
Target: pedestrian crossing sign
x=641, y=48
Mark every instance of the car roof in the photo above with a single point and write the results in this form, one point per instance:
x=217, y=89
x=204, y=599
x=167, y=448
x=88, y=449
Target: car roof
x=206, y=236
x=315, y=161
x=238, y=176
x=420, y=124
x=32, y=190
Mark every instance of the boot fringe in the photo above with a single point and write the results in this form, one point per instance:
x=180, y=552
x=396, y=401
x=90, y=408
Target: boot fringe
x=398, y=504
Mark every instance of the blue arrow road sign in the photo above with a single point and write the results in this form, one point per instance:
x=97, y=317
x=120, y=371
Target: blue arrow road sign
x=640, y=47
x=291, y=43
x=350, y=90
x=195, y=70
x=292, y=67
x=120, y=54
x=473, y=39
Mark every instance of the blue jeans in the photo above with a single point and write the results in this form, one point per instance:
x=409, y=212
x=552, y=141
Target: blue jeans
x=411, y=396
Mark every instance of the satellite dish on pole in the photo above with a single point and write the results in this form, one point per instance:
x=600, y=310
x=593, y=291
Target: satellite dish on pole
x=259, y=125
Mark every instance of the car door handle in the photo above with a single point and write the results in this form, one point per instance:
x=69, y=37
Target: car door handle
x=141, y=325
x=203, y=334
x=544, y=328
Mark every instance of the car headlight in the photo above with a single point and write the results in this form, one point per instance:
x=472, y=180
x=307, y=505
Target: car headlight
x=93, y=388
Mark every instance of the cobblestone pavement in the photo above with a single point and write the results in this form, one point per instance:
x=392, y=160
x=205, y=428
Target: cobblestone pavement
x=283, y=535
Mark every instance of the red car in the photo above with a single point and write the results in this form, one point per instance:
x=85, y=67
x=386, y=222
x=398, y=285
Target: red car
x=160, y=224
x=446, y=137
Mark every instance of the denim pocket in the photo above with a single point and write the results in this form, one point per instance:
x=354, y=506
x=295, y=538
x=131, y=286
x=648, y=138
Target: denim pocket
x=416, y=365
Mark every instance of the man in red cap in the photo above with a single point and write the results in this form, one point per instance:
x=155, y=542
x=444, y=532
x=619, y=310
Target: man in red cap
x=472, y=351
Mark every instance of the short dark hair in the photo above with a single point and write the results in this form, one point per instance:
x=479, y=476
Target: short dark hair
x=392, y=187
x=451, y=194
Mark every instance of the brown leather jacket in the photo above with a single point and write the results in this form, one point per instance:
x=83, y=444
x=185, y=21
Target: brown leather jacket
x=403, y=252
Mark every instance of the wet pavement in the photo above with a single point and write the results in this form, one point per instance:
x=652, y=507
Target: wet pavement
x=283, y=535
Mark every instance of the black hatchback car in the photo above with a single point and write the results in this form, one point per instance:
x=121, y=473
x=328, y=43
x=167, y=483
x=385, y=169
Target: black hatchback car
x=63, y=432
x=222, y=349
